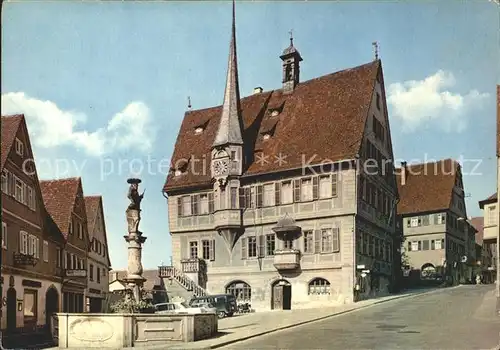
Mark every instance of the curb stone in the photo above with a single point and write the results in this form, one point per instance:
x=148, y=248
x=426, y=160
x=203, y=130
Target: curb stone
x=353, y=309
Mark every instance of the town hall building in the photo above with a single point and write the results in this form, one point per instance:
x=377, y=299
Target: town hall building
x=286, y=198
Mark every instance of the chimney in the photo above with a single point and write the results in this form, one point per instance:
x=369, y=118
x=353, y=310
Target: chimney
x=403, y=173
x=257, y=90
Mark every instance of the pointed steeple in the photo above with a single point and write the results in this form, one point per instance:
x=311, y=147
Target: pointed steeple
x=230, y=126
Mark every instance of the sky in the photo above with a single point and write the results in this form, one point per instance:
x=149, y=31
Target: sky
x=104, y=85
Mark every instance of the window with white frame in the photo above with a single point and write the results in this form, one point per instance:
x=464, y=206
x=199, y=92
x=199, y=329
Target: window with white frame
x=414, y=246
x=326, y=240
x=492, y=218
x=268, y=195
x=306, y=190
x=23, y=242
x=325, y=187
x=4, y=235
x=286, y=192
x=414, y=222
x=19, y=147
x=203, y=204
x=80, y=230
x=440, y=219
x=186, y=205
x=5, y=181
x=193, y=249
x=437, y=244
x=19, y=194
x=31, y=198
x=45, y=251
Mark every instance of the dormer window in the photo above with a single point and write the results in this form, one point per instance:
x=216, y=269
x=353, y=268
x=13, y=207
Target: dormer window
x=274, y=113
x=19, y=147
x=198, y=130
x=266, y=136
x=178, y=172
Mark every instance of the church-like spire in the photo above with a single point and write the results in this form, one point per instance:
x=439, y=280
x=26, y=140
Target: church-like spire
x=230, y=126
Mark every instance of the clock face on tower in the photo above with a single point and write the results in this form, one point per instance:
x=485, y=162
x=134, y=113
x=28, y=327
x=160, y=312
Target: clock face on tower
x=220, y=167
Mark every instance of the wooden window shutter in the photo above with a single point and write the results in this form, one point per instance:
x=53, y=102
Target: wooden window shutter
x=211, y=208
x=259, y=196
x=179, y=206
x=317, y=241
x=211, y=253
x=315, y=187
x=296, y=191
x=194, y=204
x=277, y=193
x=262, y=246
x=244, y=246
x=336, y=239
x=242, y=192
x=334, y=185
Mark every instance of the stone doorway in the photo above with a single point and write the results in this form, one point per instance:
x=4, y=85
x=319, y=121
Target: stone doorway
x=281, y=298
x=11, y=309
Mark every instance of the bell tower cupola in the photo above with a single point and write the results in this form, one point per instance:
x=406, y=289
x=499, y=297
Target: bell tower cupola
x=291, y=67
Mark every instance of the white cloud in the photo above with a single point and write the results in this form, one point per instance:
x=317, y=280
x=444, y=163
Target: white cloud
x=430, y=100
x=52, y=127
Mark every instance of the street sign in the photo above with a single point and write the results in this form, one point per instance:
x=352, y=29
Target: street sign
x=360, y=267
x=76, y=273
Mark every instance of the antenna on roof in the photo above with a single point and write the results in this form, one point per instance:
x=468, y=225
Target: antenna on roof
x=189, y=102
x=291, y=37
x=375, y=48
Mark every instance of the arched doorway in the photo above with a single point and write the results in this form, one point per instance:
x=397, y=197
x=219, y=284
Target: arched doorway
x=11, y=309
x=51, y=305
x=281, y=295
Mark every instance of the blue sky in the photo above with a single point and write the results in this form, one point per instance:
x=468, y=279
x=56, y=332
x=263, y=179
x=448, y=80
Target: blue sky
x=105, y=84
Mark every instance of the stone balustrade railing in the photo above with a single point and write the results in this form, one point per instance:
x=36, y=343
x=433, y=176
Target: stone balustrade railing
x=182, y=279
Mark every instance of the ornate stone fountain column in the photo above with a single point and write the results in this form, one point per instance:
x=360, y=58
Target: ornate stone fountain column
x=135, y=239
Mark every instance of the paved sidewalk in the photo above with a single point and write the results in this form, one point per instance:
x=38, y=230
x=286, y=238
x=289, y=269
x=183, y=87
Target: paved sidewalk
x=237, y=328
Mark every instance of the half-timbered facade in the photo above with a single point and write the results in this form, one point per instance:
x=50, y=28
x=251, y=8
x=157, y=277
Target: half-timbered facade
x=31, y=270
x=65, y=203
x=272, y=197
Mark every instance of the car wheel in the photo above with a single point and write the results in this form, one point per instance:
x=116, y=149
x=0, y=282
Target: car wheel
x=221, y=314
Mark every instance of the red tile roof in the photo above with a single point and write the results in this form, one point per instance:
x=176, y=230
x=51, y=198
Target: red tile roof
x=59, y=197
x=478, y=223
x=428, y=186
x=10, y=126
x=324, y=117
x=92, y=206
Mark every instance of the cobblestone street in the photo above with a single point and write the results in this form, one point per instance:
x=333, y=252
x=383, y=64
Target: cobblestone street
x=457, y=318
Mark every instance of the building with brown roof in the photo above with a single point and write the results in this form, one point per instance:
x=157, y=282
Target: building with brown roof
x=266, y=201
x=99, y=262
x=31, y=269
x=65, y=204
x=439, y=238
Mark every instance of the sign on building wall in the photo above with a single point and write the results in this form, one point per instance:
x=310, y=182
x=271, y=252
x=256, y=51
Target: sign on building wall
x=76, y=273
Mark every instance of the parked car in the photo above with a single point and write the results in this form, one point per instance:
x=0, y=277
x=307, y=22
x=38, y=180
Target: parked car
x=224, y=303
x=182, y=307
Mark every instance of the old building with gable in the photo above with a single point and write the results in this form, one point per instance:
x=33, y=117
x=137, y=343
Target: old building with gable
x=439, y=239
x=65, y=204
x=99, y=263
x=30, y=270
x=269, y=197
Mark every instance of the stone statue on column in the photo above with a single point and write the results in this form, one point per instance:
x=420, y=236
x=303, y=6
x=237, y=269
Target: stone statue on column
x=135, y=239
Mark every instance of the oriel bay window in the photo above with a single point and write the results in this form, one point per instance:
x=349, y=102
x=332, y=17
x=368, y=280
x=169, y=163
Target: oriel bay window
x=198, y=204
